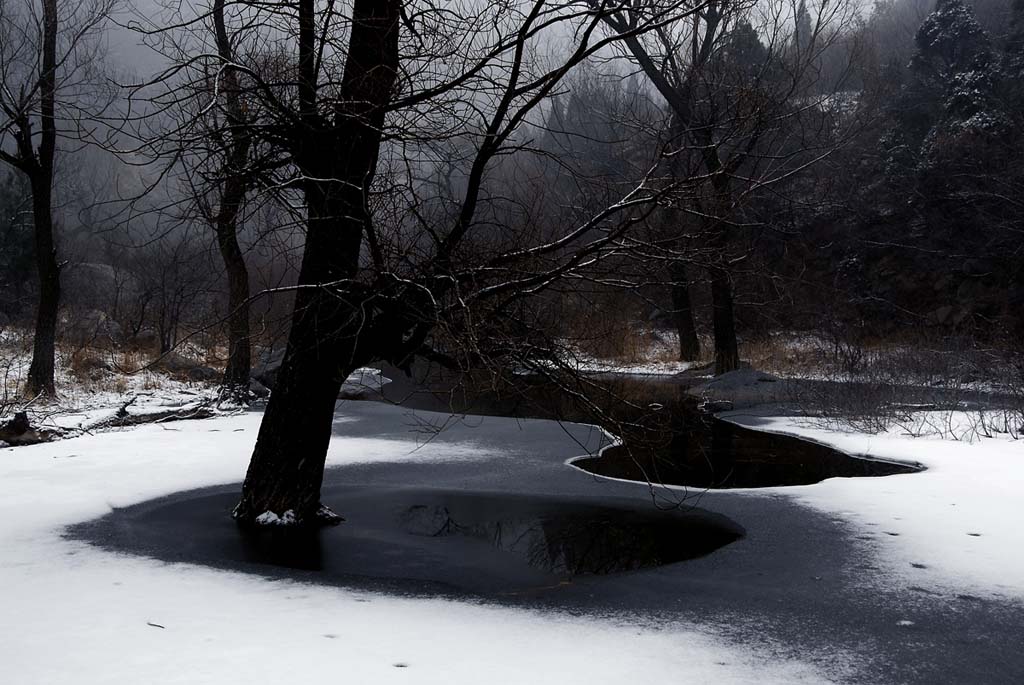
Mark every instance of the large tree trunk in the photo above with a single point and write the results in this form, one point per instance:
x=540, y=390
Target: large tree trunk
x=339, y=159
x=41, y=370
x=682, y=314
x=286, y=470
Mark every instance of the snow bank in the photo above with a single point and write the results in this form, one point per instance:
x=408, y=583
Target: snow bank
x=956, y=526
x=75, y=614
x=364, y=381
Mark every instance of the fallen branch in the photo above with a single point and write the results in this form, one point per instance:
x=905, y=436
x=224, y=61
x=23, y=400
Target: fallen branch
x=20, y=431
x=122, y=419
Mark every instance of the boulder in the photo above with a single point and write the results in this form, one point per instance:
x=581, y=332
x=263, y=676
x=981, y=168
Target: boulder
x=91, y=326
x=147, y=338
x=267, y=366
x=203, y=374
x=258, y=390
x=192, y=369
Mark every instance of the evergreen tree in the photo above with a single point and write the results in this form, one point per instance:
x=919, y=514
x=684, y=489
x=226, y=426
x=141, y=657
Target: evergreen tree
x=743, y=47
x=803, y=28
x=950, y=41
x=17, y=254
x=1014, y=62
x=956, y=62
x=948, y=114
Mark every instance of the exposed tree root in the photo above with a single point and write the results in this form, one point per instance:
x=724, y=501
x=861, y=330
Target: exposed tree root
x=20, y=431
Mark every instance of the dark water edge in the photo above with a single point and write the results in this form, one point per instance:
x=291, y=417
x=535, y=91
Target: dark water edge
x=667, y=437
x=424, y=540
x=710, y=453
x=531, y=533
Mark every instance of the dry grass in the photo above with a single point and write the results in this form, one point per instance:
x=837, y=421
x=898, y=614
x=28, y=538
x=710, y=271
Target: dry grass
x=773, y=355
x=620, y=341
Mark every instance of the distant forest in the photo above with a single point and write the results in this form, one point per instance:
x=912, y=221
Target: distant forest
x=852, y=172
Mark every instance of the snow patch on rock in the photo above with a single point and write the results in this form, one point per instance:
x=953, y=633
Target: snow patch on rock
x=269, y=518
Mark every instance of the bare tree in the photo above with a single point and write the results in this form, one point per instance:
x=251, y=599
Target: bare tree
x=234, y=181
x=222, y=175
x=359, y=102
x=739, y=79
x=47, y=59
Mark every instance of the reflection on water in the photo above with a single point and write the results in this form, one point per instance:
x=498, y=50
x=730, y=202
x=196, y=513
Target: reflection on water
x=556, y=536
x=705, y=452
x=669, y=440
x=680, y=444
x=582, y=540
x=291, y=547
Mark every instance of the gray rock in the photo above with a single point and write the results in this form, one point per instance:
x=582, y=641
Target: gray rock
x=267, y=366
x=259, y=390
x=203, y=374
x=192, y=369
x=147, y=337
x=91, y=326
x=942, y=314
x=949, y=315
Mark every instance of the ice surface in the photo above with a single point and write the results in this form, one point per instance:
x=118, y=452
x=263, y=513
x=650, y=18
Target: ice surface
x=75, y=614
x=956, y=525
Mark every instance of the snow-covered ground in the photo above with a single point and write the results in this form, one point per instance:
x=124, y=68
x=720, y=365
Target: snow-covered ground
x=80, y=408
x=641, y=368
x=956, y=526
x=82, y=401
x=656, y=354
x=73, y=613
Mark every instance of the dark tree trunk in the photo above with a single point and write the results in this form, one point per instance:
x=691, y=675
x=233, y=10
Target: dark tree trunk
x=235, y=186
x=40, y=170
x=682, y=314
x=681, y=96
x=286, y=470
x=727, y=356
x=339, y=159
x=236, y=374
x=41, y=370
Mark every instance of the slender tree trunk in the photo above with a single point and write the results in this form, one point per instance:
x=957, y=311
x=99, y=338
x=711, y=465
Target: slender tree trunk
x=682, y=314
x=236, y=374
x=682, y=308
x=681, y=95
x=41, y=370
x=233, y=191
x=727, y=356
x=339, y=159
x=40, y=164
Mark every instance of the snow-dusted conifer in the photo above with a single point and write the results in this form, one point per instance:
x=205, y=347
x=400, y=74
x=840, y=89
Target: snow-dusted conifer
x=950, y=105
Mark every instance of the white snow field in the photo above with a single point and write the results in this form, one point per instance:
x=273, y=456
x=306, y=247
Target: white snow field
x=72, y=613
x=958, y=526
